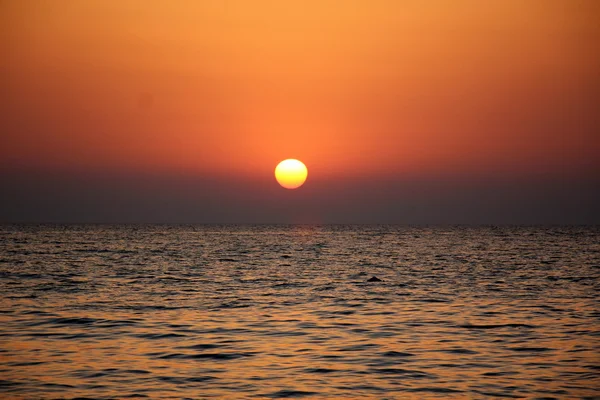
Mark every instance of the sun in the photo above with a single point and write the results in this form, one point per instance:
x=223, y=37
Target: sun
x=290, y=173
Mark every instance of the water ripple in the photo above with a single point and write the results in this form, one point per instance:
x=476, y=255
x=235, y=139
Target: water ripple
x=238, y=312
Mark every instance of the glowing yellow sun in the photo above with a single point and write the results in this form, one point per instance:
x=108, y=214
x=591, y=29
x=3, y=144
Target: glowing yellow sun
x=291, y=173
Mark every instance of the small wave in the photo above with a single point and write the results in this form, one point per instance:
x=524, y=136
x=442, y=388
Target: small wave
x=202, y=346
x=404, y=372
x=508, y=395
x=27, y=296
x=147, y=307
x=499, y=373
x=460, y=350
x=4, y=384
x=73, y=321
x=108, y=323
x=359, y=347
x=324, y=288
x=434, y=390
x=158, y=335
x=85, y=398
x=495, y=326
x=431, y=300
x=284, y=394
x=397, y=354
x=183, y=380
x=288, y=285
x=343, y=312
x=531, y=349
x=287, y=333
x=210, y=356
x=320, y=370
x=50, y=385
x=370, y=388
x=25, y=363
x=232, y=304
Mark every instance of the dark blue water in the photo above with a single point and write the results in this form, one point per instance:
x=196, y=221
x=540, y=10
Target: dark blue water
x=286, y=311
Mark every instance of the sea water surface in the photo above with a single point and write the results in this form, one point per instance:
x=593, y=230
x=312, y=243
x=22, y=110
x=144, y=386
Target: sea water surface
x=232, y=312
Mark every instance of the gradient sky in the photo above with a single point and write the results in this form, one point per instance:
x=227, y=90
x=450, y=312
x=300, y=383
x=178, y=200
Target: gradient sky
x=403, y=111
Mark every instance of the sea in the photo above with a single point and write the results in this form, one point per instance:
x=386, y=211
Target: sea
x=292, y=311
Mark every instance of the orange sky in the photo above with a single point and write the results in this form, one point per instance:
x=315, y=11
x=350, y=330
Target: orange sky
x=352, y=88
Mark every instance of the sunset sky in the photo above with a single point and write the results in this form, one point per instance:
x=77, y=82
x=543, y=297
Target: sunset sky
x=403, y=111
